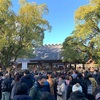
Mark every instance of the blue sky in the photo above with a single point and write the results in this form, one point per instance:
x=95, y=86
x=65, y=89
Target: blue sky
x=60, y=17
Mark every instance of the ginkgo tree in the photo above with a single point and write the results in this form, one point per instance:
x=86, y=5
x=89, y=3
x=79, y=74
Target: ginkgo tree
x=20, y=32
x=87, y=30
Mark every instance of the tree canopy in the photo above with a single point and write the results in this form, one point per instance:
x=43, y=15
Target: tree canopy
x=87, y=32
x=21, y=32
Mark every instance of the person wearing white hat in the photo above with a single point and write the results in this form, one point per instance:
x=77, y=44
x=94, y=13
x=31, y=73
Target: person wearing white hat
x=77, y=93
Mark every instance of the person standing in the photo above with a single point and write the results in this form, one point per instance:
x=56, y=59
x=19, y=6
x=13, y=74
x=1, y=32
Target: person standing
x=36, y=91
x=77, y=93
x=21, y=92
x=14, y=85
x=6, y=87
x=0, y=84
x=28, y=79
x=61, y=94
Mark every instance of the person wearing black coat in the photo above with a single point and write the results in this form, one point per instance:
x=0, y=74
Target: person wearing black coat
x=0, y=84
x=77, y=96
x=82, y=83
x=69, y=89
x=22, y=92
x=77, y=93
x=97, y=89
x=6, y=87
x=46, y=87
x=28, y=79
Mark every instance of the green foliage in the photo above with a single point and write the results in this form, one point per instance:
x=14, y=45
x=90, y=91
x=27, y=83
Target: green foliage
x=87, y=31
x=19, y=33
x=71, y=50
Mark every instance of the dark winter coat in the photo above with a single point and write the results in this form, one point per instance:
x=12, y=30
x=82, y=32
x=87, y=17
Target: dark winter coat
x=22, y=97
x=69, y=89
x=7, y=84
x=77, y=96
x=46, y=87
x=0, y=88
x=97, y=90
x=28, y=80
x=13, y=92
x=84, y=86
x=74, y=81
x=36, y=92
x=98, y=79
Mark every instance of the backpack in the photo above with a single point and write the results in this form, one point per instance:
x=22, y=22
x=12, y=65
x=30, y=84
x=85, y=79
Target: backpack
x=35, y=92
x=3, y=86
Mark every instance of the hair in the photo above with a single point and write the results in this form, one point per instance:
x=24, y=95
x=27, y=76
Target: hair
x=75, y=71
x=21, y=89
x=67, y=77
x=86, y=79
x=26, y=72
x=62, y=77
x=39, y=78
x=49, y=72
x=47, y=96
x=7, y=75
x=17, y=77
x=79, y=75
x=70, y=76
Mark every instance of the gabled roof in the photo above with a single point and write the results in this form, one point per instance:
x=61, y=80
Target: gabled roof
x=48, y=52
x=23, y=60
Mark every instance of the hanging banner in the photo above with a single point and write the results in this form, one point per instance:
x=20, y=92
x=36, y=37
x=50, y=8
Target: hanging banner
x=24, y=65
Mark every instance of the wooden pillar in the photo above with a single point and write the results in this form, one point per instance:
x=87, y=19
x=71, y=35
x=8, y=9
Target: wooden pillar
x=83, y=66
x=39, y=64
x=64, y=66
x=50, y=64
x=75, y=66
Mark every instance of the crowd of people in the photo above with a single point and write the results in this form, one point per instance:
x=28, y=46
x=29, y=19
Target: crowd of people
x=71, y=85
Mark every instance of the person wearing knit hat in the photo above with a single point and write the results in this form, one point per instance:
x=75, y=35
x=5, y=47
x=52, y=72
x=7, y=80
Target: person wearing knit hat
x=77, y=93
x=77, y=87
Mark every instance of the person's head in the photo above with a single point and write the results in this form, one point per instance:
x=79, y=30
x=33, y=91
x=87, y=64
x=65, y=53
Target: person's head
x=17, y=77
x=79, y=76
x=49, y=74
x=21, y=89
x=70, y=77
x=77, y=87
x=67, y=77
x=75, y=71
x=7, y=75
x=26, y=72
x=47, y=96
x=61, y=77
x=41, y=80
